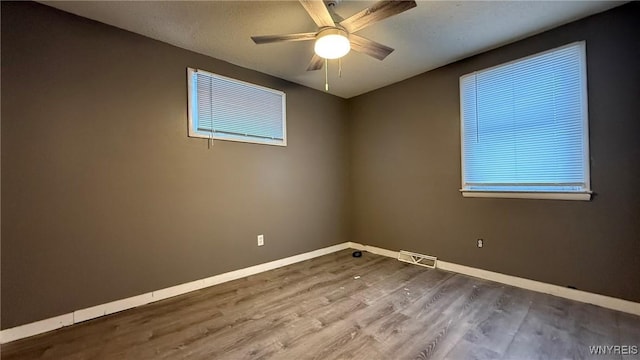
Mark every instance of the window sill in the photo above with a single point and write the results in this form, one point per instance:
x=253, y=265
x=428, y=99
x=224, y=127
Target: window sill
x=274, y=142
x=583, y=196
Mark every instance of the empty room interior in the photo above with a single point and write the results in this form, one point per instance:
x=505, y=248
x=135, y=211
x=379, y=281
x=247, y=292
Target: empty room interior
x=320, y=180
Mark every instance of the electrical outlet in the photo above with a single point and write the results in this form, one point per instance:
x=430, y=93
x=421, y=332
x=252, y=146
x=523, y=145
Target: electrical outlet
x=260, y=240
x=480, y=243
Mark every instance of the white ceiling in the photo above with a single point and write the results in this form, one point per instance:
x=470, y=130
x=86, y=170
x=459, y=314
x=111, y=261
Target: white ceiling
x=433, y=34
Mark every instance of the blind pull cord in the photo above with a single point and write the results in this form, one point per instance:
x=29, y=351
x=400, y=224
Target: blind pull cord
x=475, y=79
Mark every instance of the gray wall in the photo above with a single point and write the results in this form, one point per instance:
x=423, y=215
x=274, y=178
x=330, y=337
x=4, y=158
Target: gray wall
x=105, y=197
x=405, y=159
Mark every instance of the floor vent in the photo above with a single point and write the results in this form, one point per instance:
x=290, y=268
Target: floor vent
x=418, y=259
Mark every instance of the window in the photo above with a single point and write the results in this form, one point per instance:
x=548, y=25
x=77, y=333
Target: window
x=524, y=128
x=227, y=109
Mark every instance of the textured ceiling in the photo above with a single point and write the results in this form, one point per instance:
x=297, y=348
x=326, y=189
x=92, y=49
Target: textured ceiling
x=433, y=34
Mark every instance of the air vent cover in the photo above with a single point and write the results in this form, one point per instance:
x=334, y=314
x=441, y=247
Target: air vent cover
x=417, y=259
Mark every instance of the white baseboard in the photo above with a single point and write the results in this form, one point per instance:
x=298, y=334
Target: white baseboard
x=42, y=326
x=35, y=328
x=374, y=250
x=573, y=294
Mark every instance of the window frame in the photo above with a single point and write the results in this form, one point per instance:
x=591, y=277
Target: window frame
x=584, y=195
x=192, y=128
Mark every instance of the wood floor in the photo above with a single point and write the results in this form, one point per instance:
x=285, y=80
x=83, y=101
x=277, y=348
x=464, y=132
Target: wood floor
x=340, y=307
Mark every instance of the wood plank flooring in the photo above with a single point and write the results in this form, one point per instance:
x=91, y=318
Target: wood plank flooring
x=340, y=307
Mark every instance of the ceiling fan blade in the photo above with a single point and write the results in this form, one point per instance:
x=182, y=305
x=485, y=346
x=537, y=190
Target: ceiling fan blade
x=279, y=38
x=379, y=11
x=318, y=12
x=316, y=63
x=369, y=47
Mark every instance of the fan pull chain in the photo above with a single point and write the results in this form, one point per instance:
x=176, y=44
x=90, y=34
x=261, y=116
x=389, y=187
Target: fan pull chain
x=340, y=67
x=326, y=74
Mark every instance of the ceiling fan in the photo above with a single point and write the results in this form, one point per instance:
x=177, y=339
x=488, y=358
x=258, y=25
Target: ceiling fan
x=335, y=36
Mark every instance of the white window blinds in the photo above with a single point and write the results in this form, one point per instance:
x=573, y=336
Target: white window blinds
x=228, y=109
x=524, y=125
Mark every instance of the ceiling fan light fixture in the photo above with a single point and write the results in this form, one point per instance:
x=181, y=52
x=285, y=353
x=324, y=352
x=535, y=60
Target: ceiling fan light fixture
x=332, y=43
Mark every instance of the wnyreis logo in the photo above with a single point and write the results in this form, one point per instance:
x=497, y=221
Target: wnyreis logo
x=613, y=349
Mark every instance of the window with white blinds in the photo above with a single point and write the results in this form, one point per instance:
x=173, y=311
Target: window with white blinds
x=524, y=127
x=228, y=109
